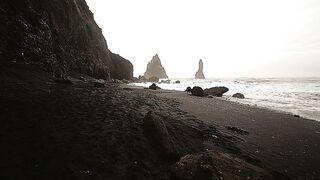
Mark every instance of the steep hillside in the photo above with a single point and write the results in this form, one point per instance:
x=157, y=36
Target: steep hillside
x=59, y=35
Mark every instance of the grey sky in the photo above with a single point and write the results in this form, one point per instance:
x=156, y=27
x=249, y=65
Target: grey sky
x=247, y=38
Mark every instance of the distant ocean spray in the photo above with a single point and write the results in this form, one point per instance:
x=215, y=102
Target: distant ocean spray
x=299, y=96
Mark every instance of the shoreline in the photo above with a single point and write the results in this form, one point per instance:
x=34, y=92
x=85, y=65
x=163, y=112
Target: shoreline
x=229, y=98
x=280, y=140
x=91, y=129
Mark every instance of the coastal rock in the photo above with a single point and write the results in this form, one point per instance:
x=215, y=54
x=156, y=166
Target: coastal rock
x=154, y=87
x=60, y=36
x=154, y=68
x=153, y=79
x=217, y=165
x=238, y=95
x=155, y=130
x=216, y=91
x=167, y=81
x=199, y=73
x=142, y=79
x=120, y=68
x=177, y=82
x=197, y=91
x=188, y=89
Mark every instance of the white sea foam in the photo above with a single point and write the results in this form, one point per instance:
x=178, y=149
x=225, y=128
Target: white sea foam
x=293, y=95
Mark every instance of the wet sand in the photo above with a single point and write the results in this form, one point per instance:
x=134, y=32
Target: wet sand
x=281, y=141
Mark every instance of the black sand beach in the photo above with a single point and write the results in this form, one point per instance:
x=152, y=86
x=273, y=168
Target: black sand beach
x=281, y=141
x=54, y=130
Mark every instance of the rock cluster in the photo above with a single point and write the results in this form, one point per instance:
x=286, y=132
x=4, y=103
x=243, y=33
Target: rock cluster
x=155, y=69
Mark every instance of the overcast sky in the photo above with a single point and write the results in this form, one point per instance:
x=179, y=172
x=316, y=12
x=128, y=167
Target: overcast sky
x=234, y=38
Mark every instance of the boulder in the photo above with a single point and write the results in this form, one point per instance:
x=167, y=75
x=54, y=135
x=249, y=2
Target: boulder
x=197, y=91
x=177, y=82
x=154, y=87
x=199, y=73
x=217, y=165
x=216, y=91
x=238, y=95
x=155, y=68
x=155, y=130
x=188, y=89
x=167, y=81
x=153, y=79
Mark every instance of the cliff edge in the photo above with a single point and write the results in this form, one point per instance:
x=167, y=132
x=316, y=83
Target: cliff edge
x=60, y=36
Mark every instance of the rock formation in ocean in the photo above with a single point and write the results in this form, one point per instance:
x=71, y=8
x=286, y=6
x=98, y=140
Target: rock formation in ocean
x=60, y=36
x=154, y=68
x=199, y=74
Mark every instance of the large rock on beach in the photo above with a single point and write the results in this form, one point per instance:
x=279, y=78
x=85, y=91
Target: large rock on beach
x=197, y=91
x=154, y=86
x=188, y=89
x=217, y=165
x=155, y=130
x=216, y=91
x=199, y=73
x=238, y=95
x=155, y=69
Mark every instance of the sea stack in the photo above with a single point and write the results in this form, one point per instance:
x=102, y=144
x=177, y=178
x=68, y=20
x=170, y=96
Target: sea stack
x=155, y=69
x=199, y=74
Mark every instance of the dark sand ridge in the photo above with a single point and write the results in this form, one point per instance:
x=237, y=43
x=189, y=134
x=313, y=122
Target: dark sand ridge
x=60, y=131
x=281, y=141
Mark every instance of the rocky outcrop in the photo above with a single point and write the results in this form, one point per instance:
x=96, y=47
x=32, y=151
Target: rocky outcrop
x=154, y=86
x=197, y=91
x=188, y=89
x=153, y=79
x=216, y=91
x=60, y=36
x=155, y=68
x=217, y=165
x=199, y=74
x=238, y=95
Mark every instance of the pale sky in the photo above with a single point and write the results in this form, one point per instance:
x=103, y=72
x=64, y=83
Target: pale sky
x=234, y=38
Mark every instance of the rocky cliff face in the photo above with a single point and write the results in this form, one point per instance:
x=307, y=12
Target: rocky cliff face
x=199, y=73
x=155, y=69
x=59, y=35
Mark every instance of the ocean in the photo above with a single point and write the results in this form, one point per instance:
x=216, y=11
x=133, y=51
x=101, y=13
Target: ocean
x=298, y=96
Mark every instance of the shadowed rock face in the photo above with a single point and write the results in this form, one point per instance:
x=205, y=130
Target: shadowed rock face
x=199, y=74
x=155, y=69
x=59, y=35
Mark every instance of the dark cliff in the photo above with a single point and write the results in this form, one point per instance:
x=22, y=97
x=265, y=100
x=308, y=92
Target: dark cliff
x=60, y=36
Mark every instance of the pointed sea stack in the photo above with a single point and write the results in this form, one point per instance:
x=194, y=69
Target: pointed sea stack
x=155, y=69
x=199, y=74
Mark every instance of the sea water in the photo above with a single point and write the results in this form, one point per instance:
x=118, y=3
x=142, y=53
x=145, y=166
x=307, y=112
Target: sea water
x=298, y=96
